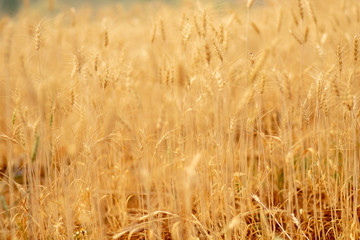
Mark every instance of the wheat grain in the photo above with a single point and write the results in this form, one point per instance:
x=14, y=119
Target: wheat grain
x=38, y=37
x=207, y=53
x=355, y=52
x=186, y=31
x=106, y=37
x=162, y=28
x=339, y=59
x=204, y=23
x=249, y=3
x=301, y=9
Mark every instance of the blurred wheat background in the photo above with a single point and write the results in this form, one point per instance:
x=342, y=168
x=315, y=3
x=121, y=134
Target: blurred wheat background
x=182, y=120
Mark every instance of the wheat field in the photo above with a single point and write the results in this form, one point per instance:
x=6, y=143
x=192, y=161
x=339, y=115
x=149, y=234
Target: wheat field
x=194, y=120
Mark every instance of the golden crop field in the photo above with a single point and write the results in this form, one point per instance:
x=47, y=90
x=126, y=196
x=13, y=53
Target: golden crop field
x=194, y=120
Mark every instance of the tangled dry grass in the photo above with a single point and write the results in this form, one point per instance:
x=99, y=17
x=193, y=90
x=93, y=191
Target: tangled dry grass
x=194, y=121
